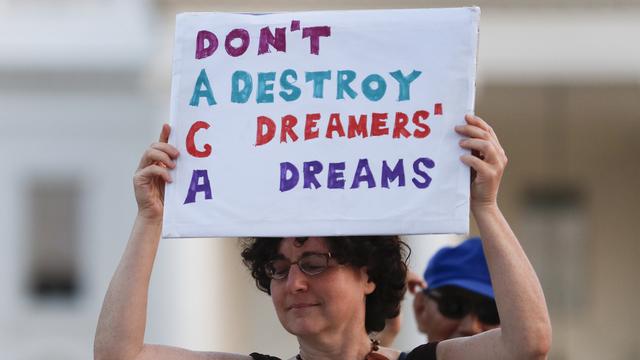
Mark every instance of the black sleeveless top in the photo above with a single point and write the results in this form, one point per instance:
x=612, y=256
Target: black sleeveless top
x=422, y=352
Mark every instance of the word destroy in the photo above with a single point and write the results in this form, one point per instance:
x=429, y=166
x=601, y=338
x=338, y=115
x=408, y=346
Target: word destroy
x=347, y=84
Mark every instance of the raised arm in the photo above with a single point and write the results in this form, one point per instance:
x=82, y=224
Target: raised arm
x=121, y=326
x=525, y=331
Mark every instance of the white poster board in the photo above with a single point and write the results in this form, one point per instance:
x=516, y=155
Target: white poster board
x=321, y=123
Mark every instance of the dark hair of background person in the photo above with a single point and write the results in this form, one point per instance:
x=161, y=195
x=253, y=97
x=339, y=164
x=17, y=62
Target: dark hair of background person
x=383, y=256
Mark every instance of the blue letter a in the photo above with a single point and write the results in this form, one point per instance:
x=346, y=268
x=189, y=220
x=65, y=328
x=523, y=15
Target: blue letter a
x=199, y=92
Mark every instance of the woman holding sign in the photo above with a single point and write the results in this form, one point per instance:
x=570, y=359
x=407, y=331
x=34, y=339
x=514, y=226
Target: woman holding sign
x=331, y=293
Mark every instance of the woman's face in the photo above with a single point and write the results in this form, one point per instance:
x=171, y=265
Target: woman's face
x=438, y=327
x=329, y=301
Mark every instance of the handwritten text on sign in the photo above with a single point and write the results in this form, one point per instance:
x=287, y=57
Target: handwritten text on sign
x=325, y=109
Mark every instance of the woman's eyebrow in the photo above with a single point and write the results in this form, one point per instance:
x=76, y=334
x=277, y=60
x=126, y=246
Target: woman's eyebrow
x=313, y=253
x=280, y=256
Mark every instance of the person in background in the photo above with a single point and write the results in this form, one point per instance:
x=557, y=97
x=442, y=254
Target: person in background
x=454, y=299
x=458, y=300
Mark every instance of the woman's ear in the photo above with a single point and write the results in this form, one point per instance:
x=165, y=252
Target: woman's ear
x=369, y=286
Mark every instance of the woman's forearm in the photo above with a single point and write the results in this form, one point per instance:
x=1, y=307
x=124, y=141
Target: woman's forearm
x=525, y=324
x=121, y=326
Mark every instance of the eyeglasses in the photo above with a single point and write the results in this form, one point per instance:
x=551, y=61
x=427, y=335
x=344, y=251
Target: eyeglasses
x=456, y=303
x=309, y=263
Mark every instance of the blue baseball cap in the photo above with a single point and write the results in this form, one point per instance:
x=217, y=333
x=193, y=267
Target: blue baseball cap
x=464, y=266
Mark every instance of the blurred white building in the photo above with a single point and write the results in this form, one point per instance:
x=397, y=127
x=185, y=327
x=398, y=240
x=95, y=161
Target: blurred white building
x=74, y=115
x=84, y=87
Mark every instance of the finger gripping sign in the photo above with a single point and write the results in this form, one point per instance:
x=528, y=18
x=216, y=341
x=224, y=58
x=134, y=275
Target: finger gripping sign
x=321, y=123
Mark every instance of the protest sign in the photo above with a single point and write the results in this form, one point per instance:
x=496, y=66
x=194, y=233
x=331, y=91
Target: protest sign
x=321, y=123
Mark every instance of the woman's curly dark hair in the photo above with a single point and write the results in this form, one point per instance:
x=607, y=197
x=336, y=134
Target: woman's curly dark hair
x=383, y=256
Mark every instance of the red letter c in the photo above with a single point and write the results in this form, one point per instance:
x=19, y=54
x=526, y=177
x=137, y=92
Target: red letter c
x=191, y=146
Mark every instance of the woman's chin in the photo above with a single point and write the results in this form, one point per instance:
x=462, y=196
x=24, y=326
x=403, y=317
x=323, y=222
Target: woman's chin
x=303, y=326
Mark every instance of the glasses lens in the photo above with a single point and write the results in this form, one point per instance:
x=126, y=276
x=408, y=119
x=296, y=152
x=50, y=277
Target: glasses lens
x=453, y=307
x=487, y=312
x=450, y=304
x=278, y=269
x=313, y=264
x=457, y=303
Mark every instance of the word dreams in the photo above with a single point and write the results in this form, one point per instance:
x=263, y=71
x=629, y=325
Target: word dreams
x=314, y=174
x=335, y=175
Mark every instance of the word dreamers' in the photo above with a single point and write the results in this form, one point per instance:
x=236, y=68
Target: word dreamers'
x=339, y=126
x=372, y=86
x=237, y=41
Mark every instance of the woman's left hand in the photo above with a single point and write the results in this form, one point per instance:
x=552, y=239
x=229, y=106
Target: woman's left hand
x=487, y=158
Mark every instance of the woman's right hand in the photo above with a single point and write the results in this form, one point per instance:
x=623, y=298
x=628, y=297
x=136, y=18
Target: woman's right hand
x=151, y=175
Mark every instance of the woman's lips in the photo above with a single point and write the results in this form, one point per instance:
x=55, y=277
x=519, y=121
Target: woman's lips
x=301, y=306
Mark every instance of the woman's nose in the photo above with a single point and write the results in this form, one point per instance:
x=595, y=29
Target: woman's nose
x=297, y=281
